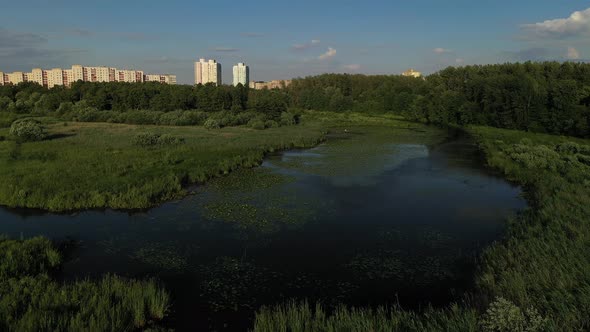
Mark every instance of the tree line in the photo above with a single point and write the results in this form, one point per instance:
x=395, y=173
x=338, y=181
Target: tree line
x=546, y=97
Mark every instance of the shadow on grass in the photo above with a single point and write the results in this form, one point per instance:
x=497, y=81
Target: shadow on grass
x=58, y=136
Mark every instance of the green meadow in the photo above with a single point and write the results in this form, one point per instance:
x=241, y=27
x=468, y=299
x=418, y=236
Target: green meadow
x=101, y=165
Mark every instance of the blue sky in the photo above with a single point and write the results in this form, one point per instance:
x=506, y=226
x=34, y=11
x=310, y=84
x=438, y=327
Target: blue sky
x=285, y=39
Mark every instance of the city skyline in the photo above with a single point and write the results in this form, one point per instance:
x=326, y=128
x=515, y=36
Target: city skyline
x=279, y=41
x=50, y=78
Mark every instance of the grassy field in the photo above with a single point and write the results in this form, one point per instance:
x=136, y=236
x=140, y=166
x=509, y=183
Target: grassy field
x=97, y=165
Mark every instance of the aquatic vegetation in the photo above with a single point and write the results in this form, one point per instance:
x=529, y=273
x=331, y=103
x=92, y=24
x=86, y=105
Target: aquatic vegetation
x=358, y=153
x=31, y=301
x=301, y=316
x=373, y=267
x=231, y=284
x=162, y=256
x=254, y=199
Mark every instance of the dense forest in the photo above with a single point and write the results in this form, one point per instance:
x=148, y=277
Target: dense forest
x=547, y=97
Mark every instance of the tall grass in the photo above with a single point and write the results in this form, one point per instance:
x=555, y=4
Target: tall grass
x=31, y=301
x=300, y=316
x=97, y=165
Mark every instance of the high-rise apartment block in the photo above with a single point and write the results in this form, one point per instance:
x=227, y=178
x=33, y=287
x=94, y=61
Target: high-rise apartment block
x=57, y=76
x=207, y=72
x=412, y=73
x=241, y=74
x=276, y=84
x=167, y=79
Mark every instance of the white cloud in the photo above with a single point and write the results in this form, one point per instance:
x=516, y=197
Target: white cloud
x=301, y=47
x=330, y=53
x=577, y=23
x=459, y=61
x=440, y=50
x=352, y=67
x=573, y=54
x=225, y=49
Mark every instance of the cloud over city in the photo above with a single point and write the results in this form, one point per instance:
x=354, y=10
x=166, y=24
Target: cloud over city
x=440, y=50
x=330, y=53
x=226, y=49
x=578, y=23
x=573, y=53
x=352, y=67
x=306, y=46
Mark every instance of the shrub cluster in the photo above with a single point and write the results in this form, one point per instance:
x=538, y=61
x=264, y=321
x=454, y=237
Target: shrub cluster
x=28, y=130
x=153, y=139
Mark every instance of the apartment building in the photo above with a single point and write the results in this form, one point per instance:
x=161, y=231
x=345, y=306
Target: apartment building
x=241, y=74
x=207, y=71
x=57, y=76
x=412, y=73
x=166, y=79
x=275, y=84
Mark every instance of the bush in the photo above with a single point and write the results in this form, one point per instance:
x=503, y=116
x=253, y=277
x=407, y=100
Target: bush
x=256, y=124
x=146, y=139
x=212, y=124
x=167, y=139
x=271, y=124
x=28, y=130
x=287, y=119
x=152, y=139
x=504, y=316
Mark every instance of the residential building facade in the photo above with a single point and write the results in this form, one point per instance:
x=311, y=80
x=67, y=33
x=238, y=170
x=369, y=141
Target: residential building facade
x=57, y=76
x=207, y=71
x=241, y=74
x=275, y=84
x=412, y=73
x=167, y=79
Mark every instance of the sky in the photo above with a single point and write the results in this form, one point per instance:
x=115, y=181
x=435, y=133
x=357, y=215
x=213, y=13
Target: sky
x=286, y=39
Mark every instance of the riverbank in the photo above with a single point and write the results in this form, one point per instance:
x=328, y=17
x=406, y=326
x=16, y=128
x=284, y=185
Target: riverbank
x=100, y=165
x=535, y=279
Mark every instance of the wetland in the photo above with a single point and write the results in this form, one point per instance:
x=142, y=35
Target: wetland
x=373, y=216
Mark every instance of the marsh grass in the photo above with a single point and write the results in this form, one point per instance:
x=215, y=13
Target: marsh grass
x=97, y=165
x=543, y=262
x=30, y=300
x=301, y=316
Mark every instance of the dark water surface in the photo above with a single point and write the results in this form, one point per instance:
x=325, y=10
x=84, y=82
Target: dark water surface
x=360, y=220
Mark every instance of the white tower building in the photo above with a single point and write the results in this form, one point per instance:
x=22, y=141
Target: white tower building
x=207, y=72
x=241, y=74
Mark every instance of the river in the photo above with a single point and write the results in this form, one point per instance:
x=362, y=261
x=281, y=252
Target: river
x=360, y=220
